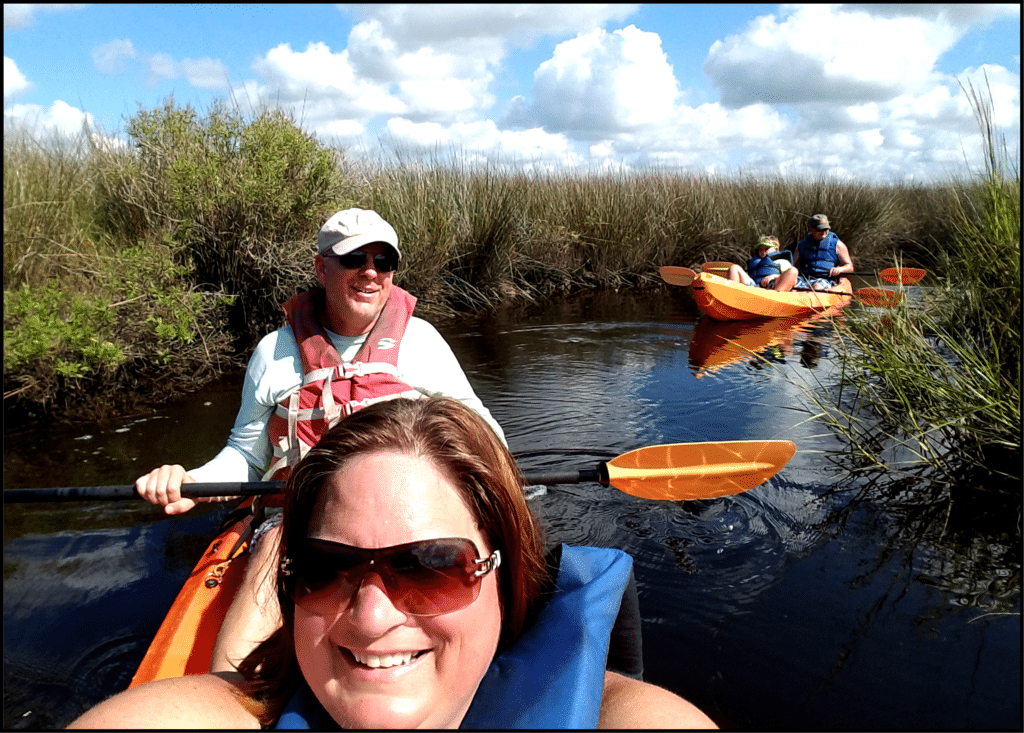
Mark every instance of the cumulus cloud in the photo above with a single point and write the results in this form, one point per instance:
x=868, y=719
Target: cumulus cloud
x=322, y=84
x=112, y=57
x=857, y=85
x=21, y=15
x=59, y=117
x=601, y=83
x=15, y=82
x=161, y=66
x=452, y=27
x=963, y=17
x=438, y=61
x=480, y=141
x=610, y=98
x=844, y=57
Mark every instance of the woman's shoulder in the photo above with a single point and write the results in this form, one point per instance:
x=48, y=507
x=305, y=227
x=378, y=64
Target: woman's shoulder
x=195, y=701
x=630, y=703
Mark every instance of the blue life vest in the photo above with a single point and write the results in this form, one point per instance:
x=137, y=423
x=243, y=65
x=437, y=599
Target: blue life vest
x=761, y=267
x=817, y=258
x=553, y=676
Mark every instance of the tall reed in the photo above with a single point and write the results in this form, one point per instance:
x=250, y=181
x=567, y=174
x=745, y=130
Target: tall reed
x=174, y=251
x=939, y=377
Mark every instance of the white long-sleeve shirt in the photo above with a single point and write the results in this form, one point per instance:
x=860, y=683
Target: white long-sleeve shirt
x=425, y=362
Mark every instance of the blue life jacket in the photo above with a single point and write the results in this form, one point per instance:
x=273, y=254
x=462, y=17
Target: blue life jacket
x=817, y=258
x=761, y=267
x=553, y=676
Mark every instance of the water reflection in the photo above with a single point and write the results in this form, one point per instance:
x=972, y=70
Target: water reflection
x=817, y=600
x=719, y=344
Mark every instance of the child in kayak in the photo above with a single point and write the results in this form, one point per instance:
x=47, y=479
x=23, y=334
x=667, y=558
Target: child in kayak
x=765, y=267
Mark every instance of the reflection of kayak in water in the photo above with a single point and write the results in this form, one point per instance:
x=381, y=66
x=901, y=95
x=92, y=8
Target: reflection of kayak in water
x=725, y=300
x=717, y=344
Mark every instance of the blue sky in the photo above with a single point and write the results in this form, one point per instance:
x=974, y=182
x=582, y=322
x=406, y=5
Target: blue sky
x=863, y=92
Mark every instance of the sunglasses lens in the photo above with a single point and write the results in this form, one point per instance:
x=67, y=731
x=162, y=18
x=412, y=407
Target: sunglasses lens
x=434, y=577
x=425, y=578
x=323, y=582
x=382, y=262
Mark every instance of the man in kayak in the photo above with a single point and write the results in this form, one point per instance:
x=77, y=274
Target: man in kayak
x=416, y=593
x=354, y=334
x=821, y=257
x=765, y=267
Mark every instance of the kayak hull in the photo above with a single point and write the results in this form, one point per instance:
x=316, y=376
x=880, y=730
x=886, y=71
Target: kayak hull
x=726, y=300
x=183, y=644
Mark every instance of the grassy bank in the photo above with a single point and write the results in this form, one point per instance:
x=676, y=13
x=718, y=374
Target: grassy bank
x=149, y=269
x=935, y=384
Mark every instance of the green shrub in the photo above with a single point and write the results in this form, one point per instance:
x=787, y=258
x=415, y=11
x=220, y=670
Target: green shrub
x=44, y=323
x=239, y=201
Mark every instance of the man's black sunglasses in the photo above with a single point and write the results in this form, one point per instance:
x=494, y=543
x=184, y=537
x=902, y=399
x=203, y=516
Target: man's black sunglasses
x=383, y=262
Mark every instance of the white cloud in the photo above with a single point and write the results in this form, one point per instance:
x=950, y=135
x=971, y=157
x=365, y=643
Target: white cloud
x=828, y=55
x=484, y=26
x=481, y=140
x=206, y=73
x=599, y=83
x=322, y=84
x=111, y=58
x=15, y=82
x=438, y=97
x=161, y=66
x=59, y=117
x=21, y=15
x=960, y=16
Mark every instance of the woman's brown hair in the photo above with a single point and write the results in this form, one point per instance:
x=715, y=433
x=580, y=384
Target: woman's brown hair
x=463, y=447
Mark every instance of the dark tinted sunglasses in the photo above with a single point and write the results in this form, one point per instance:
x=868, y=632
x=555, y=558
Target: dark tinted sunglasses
x=425, y=578
x=383, y=262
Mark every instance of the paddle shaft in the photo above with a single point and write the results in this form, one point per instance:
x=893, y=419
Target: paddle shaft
x=248, y=488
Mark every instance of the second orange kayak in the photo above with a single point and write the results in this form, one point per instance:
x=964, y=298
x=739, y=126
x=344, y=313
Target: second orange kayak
x=725, y=300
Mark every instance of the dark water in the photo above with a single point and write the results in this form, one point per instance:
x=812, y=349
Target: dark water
x=817, y=600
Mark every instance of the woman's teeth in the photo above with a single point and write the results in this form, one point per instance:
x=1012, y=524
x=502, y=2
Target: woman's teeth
x=385, y=661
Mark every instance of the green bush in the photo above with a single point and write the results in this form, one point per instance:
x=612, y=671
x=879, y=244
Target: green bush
x=239, y=201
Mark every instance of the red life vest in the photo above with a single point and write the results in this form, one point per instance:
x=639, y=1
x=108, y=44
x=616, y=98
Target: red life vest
x=332, y=388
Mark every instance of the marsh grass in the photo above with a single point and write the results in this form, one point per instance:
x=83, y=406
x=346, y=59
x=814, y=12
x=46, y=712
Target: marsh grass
x=176, y=249
x=935, y=383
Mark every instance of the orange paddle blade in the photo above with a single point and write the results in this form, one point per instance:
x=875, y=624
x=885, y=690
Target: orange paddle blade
x=879, y=297
x=682, y=471
x=902, y=275
x=677, y=275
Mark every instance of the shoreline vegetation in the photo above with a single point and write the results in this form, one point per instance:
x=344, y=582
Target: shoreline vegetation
x=929, y=392
x=135, y=273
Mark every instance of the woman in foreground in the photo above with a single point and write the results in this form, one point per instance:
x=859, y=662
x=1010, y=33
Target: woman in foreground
x=415, y=592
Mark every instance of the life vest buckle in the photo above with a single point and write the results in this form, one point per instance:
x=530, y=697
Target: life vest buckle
x=347, y=371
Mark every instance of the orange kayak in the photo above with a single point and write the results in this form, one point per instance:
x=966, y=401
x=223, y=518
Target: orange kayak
x=183, y=645
x=725, y=300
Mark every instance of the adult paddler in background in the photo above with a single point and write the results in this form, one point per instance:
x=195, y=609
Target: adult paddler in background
x=350, y=342
x=821, y=256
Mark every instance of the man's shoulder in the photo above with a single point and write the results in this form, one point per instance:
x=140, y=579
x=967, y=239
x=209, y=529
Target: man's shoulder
x=275, y=346
x=421, y=328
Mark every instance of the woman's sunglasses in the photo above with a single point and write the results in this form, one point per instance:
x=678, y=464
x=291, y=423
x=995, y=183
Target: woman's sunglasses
x=425, y=578
x=382, y=262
